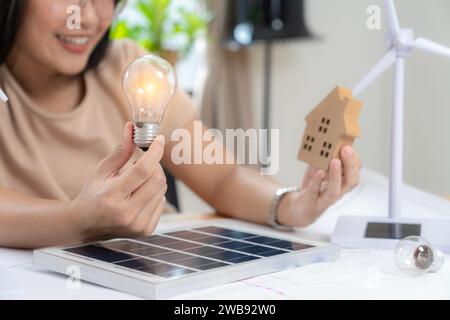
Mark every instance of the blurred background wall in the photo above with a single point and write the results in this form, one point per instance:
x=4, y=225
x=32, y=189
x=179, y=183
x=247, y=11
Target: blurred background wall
x=305, y=71
x=343, y=50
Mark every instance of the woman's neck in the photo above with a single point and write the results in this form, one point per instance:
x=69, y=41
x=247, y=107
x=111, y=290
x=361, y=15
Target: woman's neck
x=50, y=91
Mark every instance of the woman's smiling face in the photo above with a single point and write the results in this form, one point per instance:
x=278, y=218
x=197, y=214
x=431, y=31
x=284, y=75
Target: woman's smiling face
x=60, y=35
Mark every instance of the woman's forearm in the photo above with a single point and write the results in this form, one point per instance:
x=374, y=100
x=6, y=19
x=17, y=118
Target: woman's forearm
x=30, y=223
x=245, y=194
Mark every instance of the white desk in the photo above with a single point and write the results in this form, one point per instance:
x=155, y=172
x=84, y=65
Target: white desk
x=358, y=274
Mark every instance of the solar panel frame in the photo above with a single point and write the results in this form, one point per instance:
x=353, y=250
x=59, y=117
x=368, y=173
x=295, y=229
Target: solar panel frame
x=150, y=286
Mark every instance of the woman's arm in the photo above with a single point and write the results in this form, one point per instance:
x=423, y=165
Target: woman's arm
x=27, y=222
x=120, y=200
x=243, y=193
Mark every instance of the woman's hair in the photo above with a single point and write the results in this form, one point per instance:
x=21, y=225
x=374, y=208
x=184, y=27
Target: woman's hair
x=11, y=15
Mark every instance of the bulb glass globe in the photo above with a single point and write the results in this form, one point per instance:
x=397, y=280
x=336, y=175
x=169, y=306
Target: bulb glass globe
x=415, y=256
x=149, y=83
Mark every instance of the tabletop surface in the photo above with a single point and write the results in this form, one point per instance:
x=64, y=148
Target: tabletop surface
x=357, y=274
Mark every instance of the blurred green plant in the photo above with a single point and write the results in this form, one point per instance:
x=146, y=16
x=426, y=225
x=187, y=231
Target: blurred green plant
x=164, y=27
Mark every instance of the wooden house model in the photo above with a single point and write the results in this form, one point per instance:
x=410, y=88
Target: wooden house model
x=333, y=124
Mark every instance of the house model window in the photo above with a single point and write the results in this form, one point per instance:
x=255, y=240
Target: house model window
x=333, y=124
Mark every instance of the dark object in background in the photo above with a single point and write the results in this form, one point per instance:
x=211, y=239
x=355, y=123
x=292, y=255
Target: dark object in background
x=253, y=20
x=172, y=192
x=268, y=21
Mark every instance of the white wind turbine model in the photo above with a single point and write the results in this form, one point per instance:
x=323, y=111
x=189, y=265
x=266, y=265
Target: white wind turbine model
x=3, y=96
x=357, y=231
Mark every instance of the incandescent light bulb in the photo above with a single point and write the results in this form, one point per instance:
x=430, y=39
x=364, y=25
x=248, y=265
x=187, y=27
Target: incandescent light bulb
x=415, y=256
x=149, y=83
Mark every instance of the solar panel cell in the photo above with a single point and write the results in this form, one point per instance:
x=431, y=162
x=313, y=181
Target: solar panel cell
x=187, y=235
x=137, y=264
x=124, y=245
x=160, y=269
x=272, y=253
x=182, y=245
x=261, y=239
x=226, y=232
x=159, y=240
x=243, y=259
x=177, y=273
x=228, y=256
x=212, y=240
x=255, y=249
x=173, y=257
x=100, y=253
x=233, y=245
x=212, y=266
x=195, y=262
x=204, y=250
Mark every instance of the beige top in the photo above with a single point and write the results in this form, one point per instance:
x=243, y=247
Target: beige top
x=50, y=155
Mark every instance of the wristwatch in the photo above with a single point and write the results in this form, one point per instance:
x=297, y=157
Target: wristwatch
x=279, y=194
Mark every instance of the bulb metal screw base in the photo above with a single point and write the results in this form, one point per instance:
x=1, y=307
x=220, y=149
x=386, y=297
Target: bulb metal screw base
x=144, y=134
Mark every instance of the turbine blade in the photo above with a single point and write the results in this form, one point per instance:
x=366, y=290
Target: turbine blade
x=387, y=61
x=3, y=96
x=430, y=46
x=393, y=22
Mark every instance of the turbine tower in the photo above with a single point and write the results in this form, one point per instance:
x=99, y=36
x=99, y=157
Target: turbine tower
x=378, y=232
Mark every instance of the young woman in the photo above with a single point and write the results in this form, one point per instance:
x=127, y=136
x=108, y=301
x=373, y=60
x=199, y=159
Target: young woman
x=69, y=171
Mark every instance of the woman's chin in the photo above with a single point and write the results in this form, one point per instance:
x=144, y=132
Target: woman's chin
x=73, y=69
x=70, y=63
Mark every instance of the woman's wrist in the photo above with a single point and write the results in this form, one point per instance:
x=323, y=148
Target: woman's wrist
x=284, y=212
x=72, y=224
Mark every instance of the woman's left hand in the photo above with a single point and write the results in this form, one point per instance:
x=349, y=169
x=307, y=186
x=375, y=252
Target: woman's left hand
x=320, y=190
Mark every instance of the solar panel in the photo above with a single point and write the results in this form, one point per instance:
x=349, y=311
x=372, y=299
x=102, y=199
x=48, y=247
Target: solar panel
x=174, y=262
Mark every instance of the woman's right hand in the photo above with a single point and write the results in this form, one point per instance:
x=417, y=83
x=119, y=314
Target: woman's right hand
x=121, y=200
